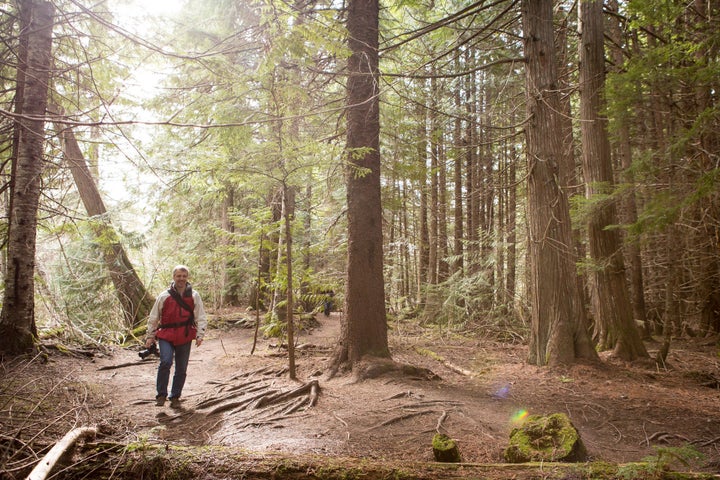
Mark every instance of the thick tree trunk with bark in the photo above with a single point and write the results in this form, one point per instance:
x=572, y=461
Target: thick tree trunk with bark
x=628, y=210
x=364, y=327
x=134, y=298
x=610, y=301
x=570, y=173
x=559, y=334
x=17, y=320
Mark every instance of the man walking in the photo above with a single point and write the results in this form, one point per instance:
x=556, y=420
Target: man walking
x=177, y=318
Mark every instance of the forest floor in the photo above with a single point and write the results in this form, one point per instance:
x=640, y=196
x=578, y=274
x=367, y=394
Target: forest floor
x=624, y=411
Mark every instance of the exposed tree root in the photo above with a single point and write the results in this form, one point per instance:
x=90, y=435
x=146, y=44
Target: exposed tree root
x=254, y=399
x=375, y=367
x=400, y=418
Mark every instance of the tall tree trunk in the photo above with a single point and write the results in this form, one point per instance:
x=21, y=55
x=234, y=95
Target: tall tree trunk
x=268, y=252
x=611, y=305
x=24, y=16
x=559, y=334
x=424, y=240
x=287, y=216
x=17, y=319
x=442, y=240
x=230, y=286
x=470, y=164
x=570, y=175
x=134, y=298
x=433, y=140
x=629, y=205
x=458, y=233
x=364, y=327
x=486, y=194
x=512, y=226
x=307, y=240
x=406, y=257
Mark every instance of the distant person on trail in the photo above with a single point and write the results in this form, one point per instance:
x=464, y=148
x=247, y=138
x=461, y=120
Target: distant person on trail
x=328, y=302
x=177, y=318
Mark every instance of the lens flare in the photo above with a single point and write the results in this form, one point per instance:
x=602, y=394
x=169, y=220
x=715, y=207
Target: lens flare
x=519, y=416
x=502, y=392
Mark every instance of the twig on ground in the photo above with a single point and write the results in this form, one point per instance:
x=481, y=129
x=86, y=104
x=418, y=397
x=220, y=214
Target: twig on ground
x=340, y=419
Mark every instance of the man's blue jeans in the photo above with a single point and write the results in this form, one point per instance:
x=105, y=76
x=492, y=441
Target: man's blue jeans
x=182, y=357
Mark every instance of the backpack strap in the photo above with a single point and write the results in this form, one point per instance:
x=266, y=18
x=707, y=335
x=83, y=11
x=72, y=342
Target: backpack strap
x=190, y=321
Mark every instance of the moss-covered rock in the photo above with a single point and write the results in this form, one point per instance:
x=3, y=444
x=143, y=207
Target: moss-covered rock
x=445, y=449
x=551, y=438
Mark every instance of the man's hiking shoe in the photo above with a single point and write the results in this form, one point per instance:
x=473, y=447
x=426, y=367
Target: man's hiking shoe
x=160, y=401
x=174, y=403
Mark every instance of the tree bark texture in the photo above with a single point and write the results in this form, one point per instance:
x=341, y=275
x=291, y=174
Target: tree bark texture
x=432, y=120
x=458, y=236
x=287, y=219
x=559, y=334
x=609, y=295
x=25, y=12
x=511, y=226
x=134, y=298
x=424, y=229
x=17, y=320
x=471, y=159
x=570, y=169
x=364, y=327
x=628, y=211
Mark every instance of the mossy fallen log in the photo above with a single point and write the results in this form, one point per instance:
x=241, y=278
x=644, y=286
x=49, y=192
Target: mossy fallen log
x=130, y=462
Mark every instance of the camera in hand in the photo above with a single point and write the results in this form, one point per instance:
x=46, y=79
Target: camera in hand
x=151, y=350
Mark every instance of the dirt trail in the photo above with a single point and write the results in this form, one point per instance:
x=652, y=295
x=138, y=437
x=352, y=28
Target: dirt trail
x=622, y=411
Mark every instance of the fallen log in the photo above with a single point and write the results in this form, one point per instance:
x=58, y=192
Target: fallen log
x=58, y=451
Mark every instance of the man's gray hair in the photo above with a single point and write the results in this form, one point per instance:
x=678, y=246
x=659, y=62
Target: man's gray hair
x=181, y=267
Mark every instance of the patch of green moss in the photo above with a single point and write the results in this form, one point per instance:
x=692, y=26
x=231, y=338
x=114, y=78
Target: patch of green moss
x=429, y=353
x=445, y=449
x=545, y=438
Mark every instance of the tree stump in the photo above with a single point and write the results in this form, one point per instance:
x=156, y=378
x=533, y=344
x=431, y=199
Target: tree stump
x=551, y=438
x=445, y=449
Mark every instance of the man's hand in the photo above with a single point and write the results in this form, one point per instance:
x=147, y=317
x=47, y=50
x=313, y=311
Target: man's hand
x=149, y=342
x=198, y=342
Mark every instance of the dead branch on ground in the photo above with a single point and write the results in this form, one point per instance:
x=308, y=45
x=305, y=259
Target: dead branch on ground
x=58, y=451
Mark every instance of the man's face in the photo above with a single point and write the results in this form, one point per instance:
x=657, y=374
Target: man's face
x=180, y=277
